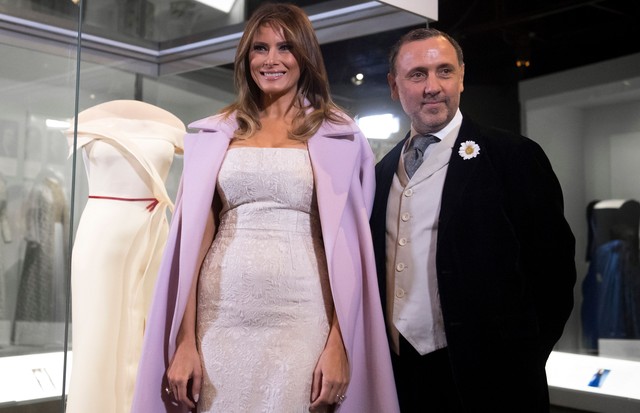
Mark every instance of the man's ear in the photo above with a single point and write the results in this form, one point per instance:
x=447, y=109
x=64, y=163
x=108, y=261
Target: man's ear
x=391, y=80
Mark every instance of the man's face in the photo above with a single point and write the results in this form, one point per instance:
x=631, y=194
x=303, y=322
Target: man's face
x=428, y=82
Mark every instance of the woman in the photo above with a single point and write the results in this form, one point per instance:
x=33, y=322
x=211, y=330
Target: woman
x=260, y=306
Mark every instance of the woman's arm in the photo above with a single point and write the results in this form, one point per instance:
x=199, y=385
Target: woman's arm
x=185, y=364
x=331, y=375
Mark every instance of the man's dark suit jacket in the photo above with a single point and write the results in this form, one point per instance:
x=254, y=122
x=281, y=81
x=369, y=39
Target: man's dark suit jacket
x=505, y=267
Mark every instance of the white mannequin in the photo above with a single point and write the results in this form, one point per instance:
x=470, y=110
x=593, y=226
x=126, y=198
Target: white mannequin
x=616, y=219
x=128, y=147
x=610, y=203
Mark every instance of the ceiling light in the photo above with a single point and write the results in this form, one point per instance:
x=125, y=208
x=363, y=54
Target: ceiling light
x=222, y=5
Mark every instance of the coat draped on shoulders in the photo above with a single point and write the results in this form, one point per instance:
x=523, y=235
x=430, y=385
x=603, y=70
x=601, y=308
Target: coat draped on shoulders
x=343, y=168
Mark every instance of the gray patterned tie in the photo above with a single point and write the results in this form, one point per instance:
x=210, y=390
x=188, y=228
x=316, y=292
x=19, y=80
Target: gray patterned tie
x=413, y=155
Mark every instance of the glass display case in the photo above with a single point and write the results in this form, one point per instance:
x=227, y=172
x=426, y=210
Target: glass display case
x=61, y=57
x=591, y=132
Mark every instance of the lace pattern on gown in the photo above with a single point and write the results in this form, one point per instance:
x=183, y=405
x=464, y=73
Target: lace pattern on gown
x=263, y=298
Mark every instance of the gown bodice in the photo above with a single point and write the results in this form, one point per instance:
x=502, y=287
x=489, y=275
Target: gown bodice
x=282, y=199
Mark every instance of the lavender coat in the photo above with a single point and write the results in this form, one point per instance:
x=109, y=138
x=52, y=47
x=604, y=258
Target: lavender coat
x=343, y=168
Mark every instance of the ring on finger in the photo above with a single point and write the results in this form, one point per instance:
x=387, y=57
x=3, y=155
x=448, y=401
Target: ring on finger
x=168, y=391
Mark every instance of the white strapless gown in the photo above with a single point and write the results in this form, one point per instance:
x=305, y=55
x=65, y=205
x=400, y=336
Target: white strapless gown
x=264, y=297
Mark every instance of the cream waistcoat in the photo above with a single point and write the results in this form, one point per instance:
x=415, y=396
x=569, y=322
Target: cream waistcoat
x=413, y=306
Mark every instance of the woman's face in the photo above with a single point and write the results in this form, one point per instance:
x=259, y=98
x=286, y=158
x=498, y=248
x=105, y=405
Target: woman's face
x=273, y=67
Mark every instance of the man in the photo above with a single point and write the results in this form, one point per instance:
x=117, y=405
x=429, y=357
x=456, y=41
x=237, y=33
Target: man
x=474, y=255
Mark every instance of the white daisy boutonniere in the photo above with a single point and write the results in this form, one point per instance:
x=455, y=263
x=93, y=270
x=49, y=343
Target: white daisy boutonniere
x=468, y=150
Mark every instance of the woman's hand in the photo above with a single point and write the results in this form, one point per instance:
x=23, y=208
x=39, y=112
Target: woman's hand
x=185, y=366
x=331, y=375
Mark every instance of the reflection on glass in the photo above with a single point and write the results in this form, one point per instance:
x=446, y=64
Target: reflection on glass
x=130, y=21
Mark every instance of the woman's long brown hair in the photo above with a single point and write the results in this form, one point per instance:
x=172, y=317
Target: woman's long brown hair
x=313, y=85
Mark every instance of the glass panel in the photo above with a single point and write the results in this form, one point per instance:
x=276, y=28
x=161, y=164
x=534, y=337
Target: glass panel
x=598, y=116
x=138, y=22
x=34, y=167
x=130, y=21
x=37, y=92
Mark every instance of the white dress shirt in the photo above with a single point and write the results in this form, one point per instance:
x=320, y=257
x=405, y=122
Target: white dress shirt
x=413, y=208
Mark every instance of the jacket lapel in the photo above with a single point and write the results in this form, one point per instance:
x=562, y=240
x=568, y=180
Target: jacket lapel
x=438, y=159
x=204, y=153
x=333, y=154
x=458, y=173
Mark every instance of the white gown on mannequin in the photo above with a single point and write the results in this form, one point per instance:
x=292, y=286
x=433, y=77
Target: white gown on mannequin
x=128, y=148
